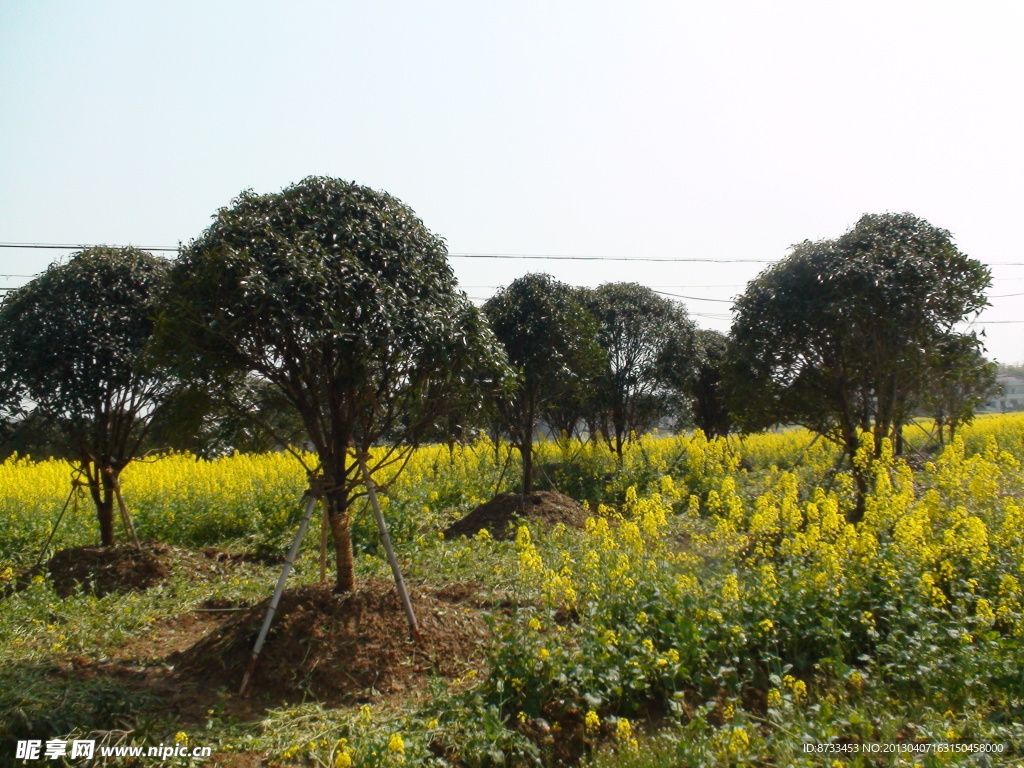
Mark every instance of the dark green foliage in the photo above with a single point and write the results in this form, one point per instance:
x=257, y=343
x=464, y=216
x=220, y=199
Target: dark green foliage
x=839, y=335
x=31, y=435
x=243, y=414
x=75, y=347
x=649, y=343
x=344, y=301
x=550, y=340
x=710, y=408
x=960, y=380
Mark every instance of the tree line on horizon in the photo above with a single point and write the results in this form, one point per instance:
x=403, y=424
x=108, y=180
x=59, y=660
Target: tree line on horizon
x=328, y=314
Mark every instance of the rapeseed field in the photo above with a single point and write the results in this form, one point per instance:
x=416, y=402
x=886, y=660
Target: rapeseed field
x=717, y=609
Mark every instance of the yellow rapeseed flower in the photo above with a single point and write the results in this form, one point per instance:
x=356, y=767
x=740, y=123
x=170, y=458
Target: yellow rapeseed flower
x=396, y=745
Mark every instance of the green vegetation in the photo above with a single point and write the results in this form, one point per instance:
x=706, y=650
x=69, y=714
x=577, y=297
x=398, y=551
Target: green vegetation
x=707, y=616
x=740, y=600
x=550, y=342
x=842, y=335
x=341, y=299
x=75, y=352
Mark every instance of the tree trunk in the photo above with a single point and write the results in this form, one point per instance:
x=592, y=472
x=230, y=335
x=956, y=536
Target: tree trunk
x=857, y=514
x=526, y=449
x=101, y=488
x=339, y=520
x=851, y=444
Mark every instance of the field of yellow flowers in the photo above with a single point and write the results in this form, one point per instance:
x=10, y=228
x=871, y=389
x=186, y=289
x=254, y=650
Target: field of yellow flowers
x=716, y=611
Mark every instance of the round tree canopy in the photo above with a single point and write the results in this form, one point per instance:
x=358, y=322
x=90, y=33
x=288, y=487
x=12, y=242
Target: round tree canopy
x=336, y=293
x=77, y=336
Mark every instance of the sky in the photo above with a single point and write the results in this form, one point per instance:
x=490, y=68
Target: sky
x=717, y=134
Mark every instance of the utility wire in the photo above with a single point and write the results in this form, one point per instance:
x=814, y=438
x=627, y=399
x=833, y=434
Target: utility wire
x=82, y=247
x=548, y=257
x=693, y=298
x=545, y=257
x=714, y=285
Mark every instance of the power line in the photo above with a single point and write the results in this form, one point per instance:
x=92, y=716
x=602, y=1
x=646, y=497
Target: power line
x=83, y=246
x=688, y=259
x=550, y=257
x=693, y=298
x=547, y=257
x=653, y=286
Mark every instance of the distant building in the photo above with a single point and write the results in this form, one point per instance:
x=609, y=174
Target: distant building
x=1011, y=396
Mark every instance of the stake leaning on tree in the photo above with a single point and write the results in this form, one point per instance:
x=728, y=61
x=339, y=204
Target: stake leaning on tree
x=315, y=493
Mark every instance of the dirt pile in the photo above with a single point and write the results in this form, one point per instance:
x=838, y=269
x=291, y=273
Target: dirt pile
x=501, y=514
x=337, y=648
x=103, y=570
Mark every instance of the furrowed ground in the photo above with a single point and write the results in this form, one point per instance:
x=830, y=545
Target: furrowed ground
x=715, y=609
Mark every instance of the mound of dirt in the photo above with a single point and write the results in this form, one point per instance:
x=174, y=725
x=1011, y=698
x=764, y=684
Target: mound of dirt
x=500, y=515
x=102, y=570
x=338, y=647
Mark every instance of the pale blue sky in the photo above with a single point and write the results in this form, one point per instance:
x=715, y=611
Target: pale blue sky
x=692, y=130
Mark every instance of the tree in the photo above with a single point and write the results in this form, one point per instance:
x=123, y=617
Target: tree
x=550, y=342
x=75, y=346
x=707, y=388
x=344, y=301
x=575, y=411
x=31, y=434
x=838, y=335
x=649, y=343
x=960, y=380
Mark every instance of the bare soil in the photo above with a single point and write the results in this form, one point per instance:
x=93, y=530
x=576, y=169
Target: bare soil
x=501, y=515
x=340, y=648
x=103, y=570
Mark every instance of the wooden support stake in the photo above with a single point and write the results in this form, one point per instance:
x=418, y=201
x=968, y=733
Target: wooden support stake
x=371, y=490
x=126, y=518
x=73, y=494
x=310, y=504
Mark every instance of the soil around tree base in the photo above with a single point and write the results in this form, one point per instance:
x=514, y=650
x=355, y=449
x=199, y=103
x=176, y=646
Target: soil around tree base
x=500, y=516
x=339, y=647
x=103, y=570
